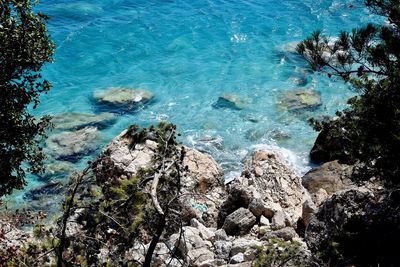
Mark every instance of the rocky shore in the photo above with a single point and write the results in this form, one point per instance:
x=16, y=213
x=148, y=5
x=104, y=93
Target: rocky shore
x=267, y=216
x=228, y=225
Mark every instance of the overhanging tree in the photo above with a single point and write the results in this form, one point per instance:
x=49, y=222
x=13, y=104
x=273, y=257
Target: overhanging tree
x=25, y=47
x=368, y=131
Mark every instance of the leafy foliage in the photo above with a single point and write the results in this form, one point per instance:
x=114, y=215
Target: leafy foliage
x=366, y=234
x=16, y=249
x=368, y=59
x=24, y=48
x=107, y=213
x=114, y=211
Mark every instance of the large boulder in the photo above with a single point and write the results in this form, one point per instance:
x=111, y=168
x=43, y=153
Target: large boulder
x=331, y=144
x=72, y=145
x=123, y=98
x=287, y=233
x=200, y=255
x=204, y=232
x=202, y=187
x=239, y=222
x=266, y=187
x=189, y=240
x=204, y=171
x=330, y=177
x=357, y=227
x=300, y=100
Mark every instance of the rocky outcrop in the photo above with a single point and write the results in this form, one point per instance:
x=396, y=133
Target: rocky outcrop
x=358, y=227
x=331, y=146
x=263, y=204
x=267, y=187
x=202, y=188
x=327, y=179
x=204, y=171
x=226, y=250
x=300, y=100
x=261, y=217
x=123, y=98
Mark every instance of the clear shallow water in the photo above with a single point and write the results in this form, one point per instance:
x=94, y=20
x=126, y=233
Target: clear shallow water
x=188, y=53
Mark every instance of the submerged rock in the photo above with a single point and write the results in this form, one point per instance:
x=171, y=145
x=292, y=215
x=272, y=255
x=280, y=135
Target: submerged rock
x=230, y=101
x=300, y=100
x=76, y=121
x=329, y=51
x=124, y=98
x=52, y=188
x=289, y=47
x=279, y=135
x=57, y=170
x=178, y=44
x=254, y=134
x=254, y=118
x=299, y=81
x=71, y=146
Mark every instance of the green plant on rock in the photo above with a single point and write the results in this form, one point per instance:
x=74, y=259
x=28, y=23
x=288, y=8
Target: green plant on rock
x=124, y=210
x=36, y=252
x=277, y=252
x=368, y=59
x=331, y=251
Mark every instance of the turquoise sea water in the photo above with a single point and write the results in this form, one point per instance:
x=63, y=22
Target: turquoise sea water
x=190, y=52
